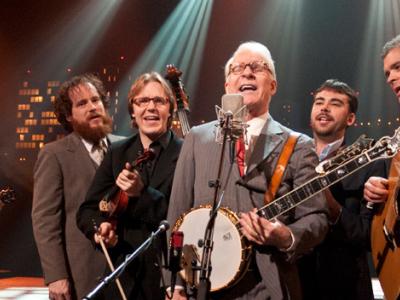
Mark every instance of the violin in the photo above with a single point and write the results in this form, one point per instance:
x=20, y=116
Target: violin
x=182, y=100
x=116, y=201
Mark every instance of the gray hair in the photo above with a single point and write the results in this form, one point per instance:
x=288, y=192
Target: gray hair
x=393, y=43
x=254, y=47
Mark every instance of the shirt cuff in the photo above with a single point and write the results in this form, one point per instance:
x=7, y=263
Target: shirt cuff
x=291, y=245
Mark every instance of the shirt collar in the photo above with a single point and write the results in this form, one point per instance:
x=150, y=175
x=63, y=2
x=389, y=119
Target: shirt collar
x=331, y=147
x=163, y=140
x=256, y=124
x=89, y=145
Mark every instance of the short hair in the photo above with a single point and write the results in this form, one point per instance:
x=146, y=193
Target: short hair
x=390, y=45
x=63, y=102
x=342, y=88
x=140, y=83
x=254, y=47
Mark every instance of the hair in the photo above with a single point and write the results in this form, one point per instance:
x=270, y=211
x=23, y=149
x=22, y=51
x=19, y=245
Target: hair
x=254, y=47
x=138, y=86
x=390, y=45
x=63, y=102
x=342, y=88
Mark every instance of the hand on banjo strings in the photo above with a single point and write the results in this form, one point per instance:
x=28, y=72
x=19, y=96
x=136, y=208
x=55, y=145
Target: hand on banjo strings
x=264, y=232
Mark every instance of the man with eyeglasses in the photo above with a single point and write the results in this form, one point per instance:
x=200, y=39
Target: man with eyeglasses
x=145, y=188
x=276, y=243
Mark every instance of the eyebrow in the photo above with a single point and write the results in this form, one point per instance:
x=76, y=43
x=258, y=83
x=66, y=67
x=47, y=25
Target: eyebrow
x=332, y=99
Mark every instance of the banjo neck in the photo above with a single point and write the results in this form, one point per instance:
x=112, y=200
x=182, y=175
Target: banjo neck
x=386, y=147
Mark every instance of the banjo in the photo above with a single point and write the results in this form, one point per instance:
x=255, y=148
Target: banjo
x=228, y=267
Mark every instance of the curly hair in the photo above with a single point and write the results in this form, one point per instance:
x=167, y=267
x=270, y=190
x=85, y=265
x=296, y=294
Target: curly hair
x=63, y=102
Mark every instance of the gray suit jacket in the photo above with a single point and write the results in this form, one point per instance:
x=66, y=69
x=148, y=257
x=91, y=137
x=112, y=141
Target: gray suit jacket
x=198, y=163
x=62, y=175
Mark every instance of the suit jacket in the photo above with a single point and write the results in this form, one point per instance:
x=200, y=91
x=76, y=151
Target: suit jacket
x=62, y=175
x=338, y=268
x=198, y=163
x=141, y=280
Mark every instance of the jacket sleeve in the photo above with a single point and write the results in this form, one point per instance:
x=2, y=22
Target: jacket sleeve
x=308, y=221
x=48, y=216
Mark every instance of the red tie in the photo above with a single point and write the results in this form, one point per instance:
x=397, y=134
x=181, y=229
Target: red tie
x=240, y=150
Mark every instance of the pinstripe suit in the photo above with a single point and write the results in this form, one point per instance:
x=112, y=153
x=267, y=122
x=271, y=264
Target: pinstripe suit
x=198, y=163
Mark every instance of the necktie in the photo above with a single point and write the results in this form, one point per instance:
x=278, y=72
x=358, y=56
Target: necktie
x=98, y=152
x=240, y=151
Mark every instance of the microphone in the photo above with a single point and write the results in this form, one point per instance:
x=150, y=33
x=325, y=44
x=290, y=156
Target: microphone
x=231, y=117
x=164, y=226
x=175, y=255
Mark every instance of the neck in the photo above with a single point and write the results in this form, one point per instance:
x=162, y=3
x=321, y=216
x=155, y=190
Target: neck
x=322, y=141
x=255, y=114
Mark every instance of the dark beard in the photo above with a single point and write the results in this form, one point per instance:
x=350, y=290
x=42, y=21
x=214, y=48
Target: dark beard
x=93, y=134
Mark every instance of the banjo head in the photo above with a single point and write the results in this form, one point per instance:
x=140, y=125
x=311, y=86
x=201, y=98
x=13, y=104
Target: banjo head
x=229, y=256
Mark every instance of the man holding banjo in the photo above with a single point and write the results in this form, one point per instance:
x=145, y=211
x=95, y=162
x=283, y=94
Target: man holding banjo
x=267, y=271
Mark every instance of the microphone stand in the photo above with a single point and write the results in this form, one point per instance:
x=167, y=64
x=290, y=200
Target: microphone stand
x=118, y=271
x=205, y=267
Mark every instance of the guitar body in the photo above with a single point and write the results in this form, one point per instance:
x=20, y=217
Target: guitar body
x=385, y=237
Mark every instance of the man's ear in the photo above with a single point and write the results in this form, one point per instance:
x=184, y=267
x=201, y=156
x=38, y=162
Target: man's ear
x=351, y=119
x=227, y=88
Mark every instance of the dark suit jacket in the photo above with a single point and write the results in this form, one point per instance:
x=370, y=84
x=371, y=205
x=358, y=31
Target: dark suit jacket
x=198, y=163
x=141, y=280
x=338, y=268
x=62, y=175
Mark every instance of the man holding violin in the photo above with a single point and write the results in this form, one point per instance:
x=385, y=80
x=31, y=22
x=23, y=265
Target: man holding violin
x=133, y=189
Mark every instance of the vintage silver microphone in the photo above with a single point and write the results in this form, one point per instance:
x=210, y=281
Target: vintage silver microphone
x=231, y=117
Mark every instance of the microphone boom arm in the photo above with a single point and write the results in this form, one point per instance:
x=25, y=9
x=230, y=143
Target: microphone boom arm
x=118, y=271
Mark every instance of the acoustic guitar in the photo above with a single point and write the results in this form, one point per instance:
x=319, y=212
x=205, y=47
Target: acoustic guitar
x=385, y=236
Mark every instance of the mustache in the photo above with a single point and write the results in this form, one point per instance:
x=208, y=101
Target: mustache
x=326, y=115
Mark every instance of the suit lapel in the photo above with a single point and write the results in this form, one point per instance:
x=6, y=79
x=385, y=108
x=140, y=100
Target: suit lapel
x=165, y=163
x=76, y=146
x=270, y=138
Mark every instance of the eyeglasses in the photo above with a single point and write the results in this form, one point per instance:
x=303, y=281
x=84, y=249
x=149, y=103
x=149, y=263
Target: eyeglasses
x=145, y=101
x=255, y=67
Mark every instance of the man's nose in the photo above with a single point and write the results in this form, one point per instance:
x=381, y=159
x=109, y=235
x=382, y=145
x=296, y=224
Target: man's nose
x=248, y=72
x=151, y=104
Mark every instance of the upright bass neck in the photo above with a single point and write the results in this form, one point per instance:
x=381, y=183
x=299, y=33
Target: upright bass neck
x=182, y=100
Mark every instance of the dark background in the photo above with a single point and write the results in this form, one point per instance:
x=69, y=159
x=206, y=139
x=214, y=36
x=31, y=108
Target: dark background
x=310, y=41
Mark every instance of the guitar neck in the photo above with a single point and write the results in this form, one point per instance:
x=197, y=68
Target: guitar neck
x=314, y=186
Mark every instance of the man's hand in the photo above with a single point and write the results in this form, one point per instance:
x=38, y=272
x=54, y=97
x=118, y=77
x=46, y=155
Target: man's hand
x=106, y=232
x=130, y=181
x=60, y=290
x=376, y=189
x=179, y=294
x=264, y=232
